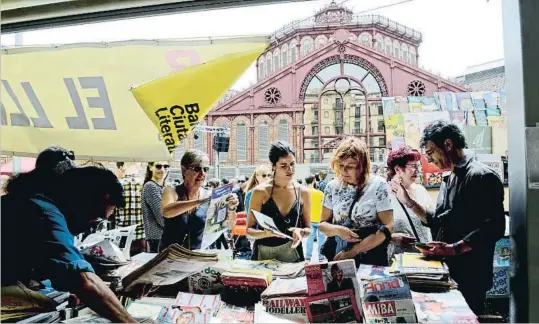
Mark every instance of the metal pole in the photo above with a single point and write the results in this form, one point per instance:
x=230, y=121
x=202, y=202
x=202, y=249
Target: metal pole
x=217, y=171
x=16, y=161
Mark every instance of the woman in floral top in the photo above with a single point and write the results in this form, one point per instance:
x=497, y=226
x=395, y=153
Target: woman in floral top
x=357, y=207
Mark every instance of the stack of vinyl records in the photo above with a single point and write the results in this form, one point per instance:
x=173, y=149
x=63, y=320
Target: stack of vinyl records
x=423, y=274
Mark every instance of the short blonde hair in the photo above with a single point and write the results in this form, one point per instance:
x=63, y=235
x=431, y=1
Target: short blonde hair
x=252, y=181
x=355, y=148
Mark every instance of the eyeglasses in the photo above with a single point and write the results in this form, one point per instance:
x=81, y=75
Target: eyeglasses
x=413, y=166
x=198, y=169
x=265, y=175
x=241, y=181
x=159, y=166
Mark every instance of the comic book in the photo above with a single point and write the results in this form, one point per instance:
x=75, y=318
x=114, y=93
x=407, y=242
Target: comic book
x=216, y=218
x=387, y=299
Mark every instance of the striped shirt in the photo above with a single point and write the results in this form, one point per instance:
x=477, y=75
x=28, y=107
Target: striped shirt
x=152, y=194
x=131, y=214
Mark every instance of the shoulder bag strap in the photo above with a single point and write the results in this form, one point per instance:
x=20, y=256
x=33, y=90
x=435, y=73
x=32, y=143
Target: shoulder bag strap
x=359, y=193
x=299, y=206
x=409, y=220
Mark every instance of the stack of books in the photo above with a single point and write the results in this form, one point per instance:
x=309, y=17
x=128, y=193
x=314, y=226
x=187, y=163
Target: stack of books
x=244, y=288
x=423, y=274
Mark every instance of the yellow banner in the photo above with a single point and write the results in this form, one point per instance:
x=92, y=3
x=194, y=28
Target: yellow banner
x=78, y=95
x=177, y=102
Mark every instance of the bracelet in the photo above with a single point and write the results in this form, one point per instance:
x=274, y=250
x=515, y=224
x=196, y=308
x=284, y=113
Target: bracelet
x=457, y=247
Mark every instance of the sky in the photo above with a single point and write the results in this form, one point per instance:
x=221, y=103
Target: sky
x=456, y=33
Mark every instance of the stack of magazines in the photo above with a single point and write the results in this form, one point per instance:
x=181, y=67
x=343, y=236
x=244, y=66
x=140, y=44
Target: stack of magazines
x=233, y=314
x=423, y=275
x=168, y=267
x=446, y=307
x=286, y=298
x=244, y=288
x=262, y=316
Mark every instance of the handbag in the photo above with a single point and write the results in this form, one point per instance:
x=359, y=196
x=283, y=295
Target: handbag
x=329, y=249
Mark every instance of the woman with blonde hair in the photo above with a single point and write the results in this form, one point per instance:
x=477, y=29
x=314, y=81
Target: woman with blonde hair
x=357, y=210
x=261, y=175
x=185, y=206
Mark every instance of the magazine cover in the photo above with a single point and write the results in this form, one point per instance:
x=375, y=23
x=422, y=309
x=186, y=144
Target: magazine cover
x=262, y=316
x=446, y=100
x=337, y=307
x=216, y=219
x=432, y=175
x=479, y=138
x=470, y=118
x=230, y=315
x=412, y=131
x=415, y=104
x=458, y=118
x=387, y=299
x=478, y=100
x=494, y=161
x=368, y=271
x=491, y=99
x=480, y=116
x=394, y=124
x=502, y=253
x=464, y=101
x=401, y=105
x=447, y=307
x=429, y=104
x=388, y=106
x=426, y=119
x=207, y=281
x=292, y=307
x=267, y=223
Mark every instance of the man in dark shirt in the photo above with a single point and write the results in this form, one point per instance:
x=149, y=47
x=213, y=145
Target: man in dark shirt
x=469, y=216
x=40, y=216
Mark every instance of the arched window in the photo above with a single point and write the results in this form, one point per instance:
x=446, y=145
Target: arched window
x=276, y=60
x=352, y=38
x=282, y=130
x=388, y=46
x=365, y=39
x=241, y=141
x=397, y=50
x=306, y=46
x=412, y=56
x=320, y=41
x=293, y=51
x=269, y=65
x=284, y=55
x=263, y=140
x=379, y=43
x=404, y=50
x=261, y=69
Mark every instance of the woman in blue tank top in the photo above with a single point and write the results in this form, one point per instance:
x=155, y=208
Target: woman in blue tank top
x=184, y=207
x=287, y=203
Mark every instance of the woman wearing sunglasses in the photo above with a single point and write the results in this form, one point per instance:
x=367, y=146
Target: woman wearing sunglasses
x=152, y=194
x=185, y=206
x=287, y=203
x=261, y=175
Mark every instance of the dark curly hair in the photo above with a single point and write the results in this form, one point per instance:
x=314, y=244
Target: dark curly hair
x=400, y=157
x=278, y=150
x=442, y=130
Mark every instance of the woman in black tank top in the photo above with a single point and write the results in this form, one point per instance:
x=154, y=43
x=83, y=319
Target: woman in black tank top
x=287, y=203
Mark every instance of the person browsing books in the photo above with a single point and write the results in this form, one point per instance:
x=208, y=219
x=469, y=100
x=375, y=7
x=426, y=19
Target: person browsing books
x=286, y=203
x=357, y=209
x=39, y=221
x=338, y=281
x=403, y=166
x=469, y=218
x=185, y=206
x=152, y=195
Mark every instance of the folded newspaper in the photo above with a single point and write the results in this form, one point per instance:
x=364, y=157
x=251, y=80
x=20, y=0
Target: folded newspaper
x=388, y=300
x=169, y=266
x=105, y=253
x=267, y=223
x=216, y=218
x=278, y=269
x=122, y=237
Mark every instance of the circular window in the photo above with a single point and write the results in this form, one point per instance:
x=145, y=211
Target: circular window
x=272, y=96
x=416, y=88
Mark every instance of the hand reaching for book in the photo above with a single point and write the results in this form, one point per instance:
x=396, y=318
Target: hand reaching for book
x=403, y=239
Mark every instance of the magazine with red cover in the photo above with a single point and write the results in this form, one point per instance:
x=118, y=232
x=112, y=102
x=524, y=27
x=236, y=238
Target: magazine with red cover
x=432, y=175
x=337, y=307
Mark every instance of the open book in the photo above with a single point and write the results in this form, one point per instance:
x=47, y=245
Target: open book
x=169, y=266
x=216, y=218
x=267, y=223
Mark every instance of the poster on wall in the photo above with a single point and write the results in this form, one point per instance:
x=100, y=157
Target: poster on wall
x=412, y=131
x=401, y=105
x=458, y=118
x=394, y=127
x=491, y=99
x=479, y=138
x=388, y=106
x=432, y=175
x=464, y=100
x=494, y=161
x=428, y=104
x=415, y=104
x=478, y=100
x=446, y=100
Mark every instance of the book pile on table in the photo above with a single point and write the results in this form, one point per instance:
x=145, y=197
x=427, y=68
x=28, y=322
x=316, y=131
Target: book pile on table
x=333, y=292
x=446, y=307
x=171, y=265
x=286, y=298
x=423, y=274
x=244, y=288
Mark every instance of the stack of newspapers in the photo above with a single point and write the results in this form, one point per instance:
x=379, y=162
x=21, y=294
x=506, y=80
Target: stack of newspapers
x=423, y=274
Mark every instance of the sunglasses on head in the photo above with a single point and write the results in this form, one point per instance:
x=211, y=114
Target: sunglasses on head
x=70, y=155
x=198, y=169
x=241, y=181
x=159, y=166
x=265, y=175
